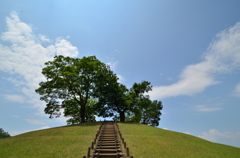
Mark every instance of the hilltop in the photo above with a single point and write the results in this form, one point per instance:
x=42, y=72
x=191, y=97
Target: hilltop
x=144, y=142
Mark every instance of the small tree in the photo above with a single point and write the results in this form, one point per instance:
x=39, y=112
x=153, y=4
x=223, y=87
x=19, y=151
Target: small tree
x=131, y=104
x=149, y=111
x=113, y=101
x=3, y=134
x=143, y=109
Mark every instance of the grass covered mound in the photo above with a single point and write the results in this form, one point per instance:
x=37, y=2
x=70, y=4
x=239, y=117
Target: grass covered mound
x=143, y=141
x=65, y=142
x=150, y=142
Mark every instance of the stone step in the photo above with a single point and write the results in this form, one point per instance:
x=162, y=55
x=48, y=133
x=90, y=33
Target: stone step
x=107, y=150
x=108, y=144
x=107, y=147
x=101, y=155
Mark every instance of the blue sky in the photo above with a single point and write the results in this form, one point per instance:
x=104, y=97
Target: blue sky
x=189, y=51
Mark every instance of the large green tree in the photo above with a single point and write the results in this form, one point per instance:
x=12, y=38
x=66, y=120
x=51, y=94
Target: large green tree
x=70, y=83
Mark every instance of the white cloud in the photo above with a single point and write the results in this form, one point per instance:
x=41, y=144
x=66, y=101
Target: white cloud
x=35, y=122
x=215, y=135
x=44, y=127
x=204, y=108
x=221, y=57
x=16, y=81
x=14, y=133
x=44, y=38
x=14, y=98
x=64, y=47
x=23, y=57
x=113, y=66
x=236, y=92
x=121, y=78
x=17, y=32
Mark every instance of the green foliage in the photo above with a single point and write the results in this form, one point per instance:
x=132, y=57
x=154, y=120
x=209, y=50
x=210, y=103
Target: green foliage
x=148, y=111
x=70, y=83
x=87, y=87
x=3, y=134
x=131, y=104
x=143, y=109
x=113, y=100
x=71, y=109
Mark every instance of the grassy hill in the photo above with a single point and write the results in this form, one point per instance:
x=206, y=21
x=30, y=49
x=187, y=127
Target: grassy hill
x=144, y=142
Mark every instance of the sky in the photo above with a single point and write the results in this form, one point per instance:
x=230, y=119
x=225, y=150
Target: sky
x=188, y=50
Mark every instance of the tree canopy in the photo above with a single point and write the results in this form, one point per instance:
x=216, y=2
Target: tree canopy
x=132, y=102
x=70, y=83
x=86, y=87
x=3, y=134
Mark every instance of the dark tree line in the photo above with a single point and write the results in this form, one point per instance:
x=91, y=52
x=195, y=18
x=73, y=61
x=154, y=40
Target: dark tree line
x=3, y=134
x=86, y=87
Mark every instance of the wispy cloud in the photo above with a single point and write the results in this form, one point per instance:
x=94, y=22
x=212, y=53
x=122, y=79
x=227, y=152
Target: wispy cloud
x=218, y=136
x=221, y=57
x=14, y=98
x=236, y=92
x=187, y=132
x=204, y=108
x=113, y=66
x=14, y=133
x=35, y=122
x=23, y=56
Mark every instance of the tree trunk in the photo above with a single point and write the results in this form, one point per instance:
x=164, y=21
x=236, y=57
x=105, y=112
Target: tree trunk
x=83, y=112
x=122, y=116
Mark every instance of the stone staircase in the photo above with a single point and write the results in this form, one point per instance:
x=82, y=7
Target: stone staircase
x=108, y=143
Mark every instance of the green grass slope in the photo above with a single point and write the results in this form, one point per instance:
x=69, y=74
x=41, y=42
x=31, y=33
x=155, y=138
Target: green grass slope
x=143, y=141
x=61, y=142
x=150, y=142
